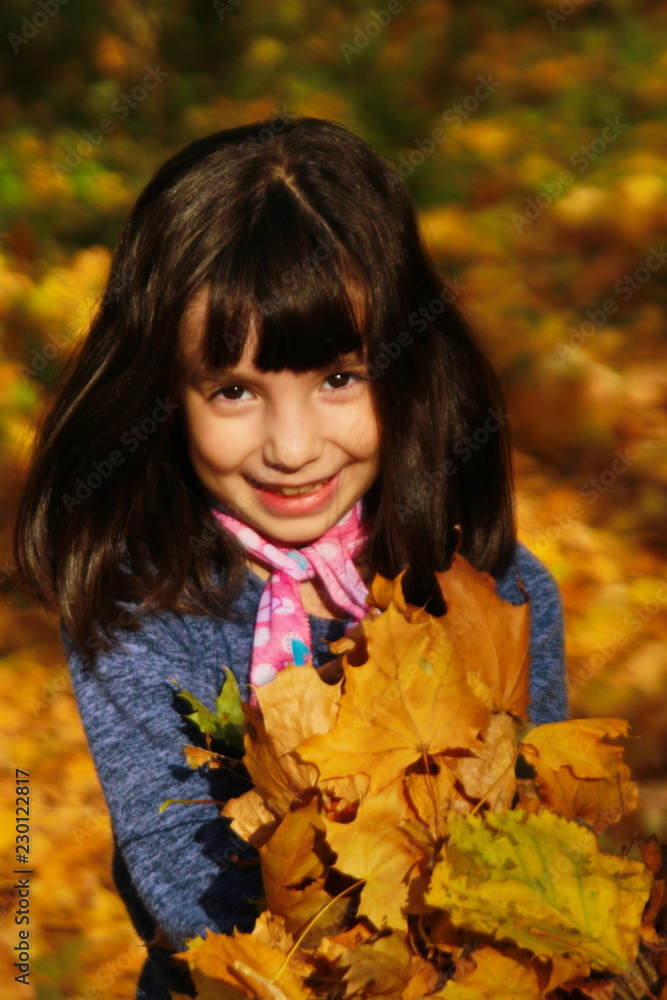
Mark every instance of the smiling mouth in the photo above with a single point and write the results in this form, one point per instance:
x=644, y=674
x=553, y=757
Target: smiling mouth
x=290, y=491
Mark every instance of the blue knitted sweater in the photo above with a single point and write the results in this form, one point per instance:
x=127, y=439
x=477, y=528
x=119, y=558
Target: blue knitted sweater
x=176, y=869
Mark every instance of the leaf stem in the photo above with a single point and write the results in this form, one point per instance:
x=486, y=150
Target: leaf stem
x=309, y=923
x=431, y=791
x=190, y=802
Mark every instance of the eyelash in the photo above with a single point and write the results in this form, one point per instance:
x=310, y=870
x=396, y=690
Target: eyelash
x=353, y=375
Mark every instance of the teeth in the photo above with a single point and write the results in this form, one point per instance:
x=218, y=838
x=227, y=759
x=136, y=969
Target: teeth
x=290, y=491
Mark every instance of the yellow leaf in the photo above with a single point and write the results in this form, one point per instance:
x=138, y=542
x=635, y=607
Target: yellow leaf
x=494, y=977
x=423, y=977
x=197, y=757
x=492, y=635
x=379, y=967
x=431, y=795
x=252, y=964
x=563, y=969
x=296, y=854
x=341, y=796
x=331, y=948
x=408, y=700
x=294, y=851
x=489, y=775
x=542, y=882
x=295, y=705
x=250, y=817
x=579, y=776
x=387, y=862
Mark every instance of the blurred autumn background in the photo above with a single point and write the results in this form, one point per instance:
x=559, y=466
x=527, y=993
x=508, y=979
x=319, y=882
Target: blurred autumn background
x=542, y=195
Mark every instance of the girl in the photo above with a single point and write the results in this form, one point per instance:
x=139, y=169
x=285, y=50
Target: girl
x=276, y=400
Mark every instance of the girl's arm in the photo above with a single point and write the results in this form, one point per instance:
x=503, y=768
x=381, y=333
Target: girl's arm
x=175, y=870
x=548, y=672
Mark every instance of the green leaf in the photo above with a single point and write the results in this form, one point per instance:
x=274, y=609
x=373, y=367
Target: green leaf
x=229, y=707
x=543, y=882
x=226, y=724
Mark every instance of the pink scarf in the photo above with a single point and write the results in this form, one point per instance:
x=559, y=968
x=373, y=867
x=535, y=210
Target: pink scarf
x=282, y=630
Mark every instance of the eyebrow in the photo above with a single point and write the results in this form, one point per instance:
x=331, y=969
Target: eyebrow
x=205, y=374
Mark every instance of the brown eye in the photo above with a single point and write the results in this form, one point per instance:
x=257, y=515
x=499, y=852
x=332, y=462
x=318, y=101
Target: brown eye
x=231, y=392
x=344, y=376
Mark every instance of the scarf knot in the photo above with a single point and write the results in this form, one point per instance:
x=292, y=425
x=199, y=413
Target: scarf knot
x=282, y=631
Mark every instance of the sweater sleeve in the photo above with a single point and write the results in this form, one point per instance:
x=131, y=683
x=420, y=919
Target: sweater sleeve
x=548, y=672
x=175, y=869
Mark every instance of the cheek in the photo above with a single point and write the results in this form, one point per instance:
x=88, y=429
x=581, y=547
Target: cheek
x=368, y=434
x=210, y=448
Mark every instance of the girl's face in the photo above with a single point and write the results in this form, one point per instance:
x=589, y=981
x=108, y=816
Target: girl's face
x=255, y=436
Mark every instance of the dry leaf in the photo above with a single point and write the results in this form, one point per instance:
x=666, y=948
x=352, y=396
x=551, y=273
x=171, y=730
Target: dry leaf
x=295, y=705
x=250, y=817
x=295, y=863
x=248, y=963
x=410, y=699
x=372, y=783
x=493, y=977
x=492, y=635
x=430, y=794
x=489, y=775
x=386, y=862
x=579, y=776
x=652, y=853
x=379, y=967
x=542, y=882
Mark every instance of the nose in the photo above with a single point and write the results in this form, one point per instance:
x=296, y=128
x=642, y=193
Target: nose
x=292, y=437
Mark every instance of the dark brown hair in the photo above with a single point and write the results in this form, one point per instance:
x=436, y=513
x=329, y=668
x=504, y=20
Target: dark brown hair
x=278, y=219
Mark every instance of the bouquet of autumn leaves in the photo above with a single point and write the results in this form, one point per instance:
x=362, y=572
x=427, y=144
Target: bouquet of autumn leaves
x=401, y=856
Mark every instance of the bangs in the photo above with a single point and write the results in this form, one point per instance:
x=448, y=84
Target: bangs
x=288, y=279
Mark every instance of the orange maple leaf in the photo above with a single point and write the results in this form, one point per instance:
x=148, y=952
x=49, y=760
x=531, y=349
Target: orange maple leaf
x=408, y=700
x=492, y=635
x=579, y=775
